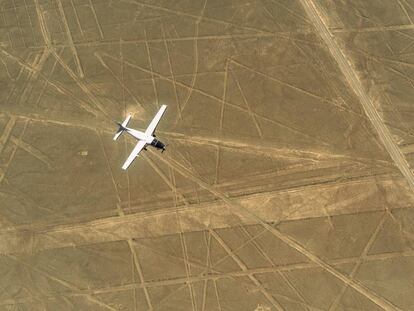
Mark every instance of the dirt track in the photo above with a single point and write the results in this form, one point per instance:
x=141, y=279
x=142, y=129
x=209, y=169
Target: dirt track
x=286, y=184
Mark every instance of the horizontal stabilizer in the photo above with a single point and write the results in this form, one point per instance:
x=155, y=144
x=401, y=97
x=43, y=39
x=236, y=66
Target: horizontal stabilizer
x=122, y=127
x=126, y=121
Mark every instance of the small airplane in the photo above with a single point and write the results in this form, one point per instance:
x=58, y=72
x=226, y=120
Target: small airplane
x=144, y=138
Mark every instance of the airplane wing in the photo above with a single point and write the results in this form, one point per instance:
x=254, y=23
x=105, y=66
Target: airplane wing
x=151, y=128
x=135, y=152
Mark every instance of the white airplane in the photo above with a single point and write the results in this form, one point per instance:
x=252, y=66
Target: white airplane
x=144, y=138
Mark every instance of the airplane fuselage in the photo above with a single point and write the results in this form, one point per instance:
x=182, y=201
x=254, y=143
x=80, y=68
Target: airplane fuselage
x=149, y=139
x=144, y=138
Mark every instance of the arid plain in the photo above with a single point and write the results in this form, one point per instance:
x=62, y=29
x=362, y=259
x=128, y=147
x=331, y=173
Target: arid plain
x=286, y=184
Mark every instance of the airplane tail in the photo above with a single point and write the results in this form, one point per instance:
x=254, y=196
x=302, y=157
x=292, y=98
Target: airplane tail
x=122, y=127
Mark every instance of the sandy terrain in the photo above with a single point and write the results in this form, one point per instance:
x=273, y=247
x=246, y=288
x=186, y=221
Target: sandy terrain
x=287, y=183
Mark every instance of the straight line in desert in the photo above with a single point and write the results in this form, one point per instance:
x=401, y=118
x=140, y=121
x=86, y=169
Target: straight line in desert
x=5, y=167
x=220, y=100
x=199, y=278
x=239, y=210
x=372, y=29
x=5, y=135
x=60, y=281
x=245, y=146
x=356, y=85
x=130, y=242
x=70, y=39
x=96, y=19
x=265, y=148
x=194, y=218
x=47, y=39
x=360, y=261
x=32, y=150
x=60, y=88
x=195, y=16
x=244, y=268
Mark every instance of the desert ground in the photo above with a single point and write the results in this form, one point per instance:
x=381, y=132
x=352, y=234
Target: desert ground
x=287, y=183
